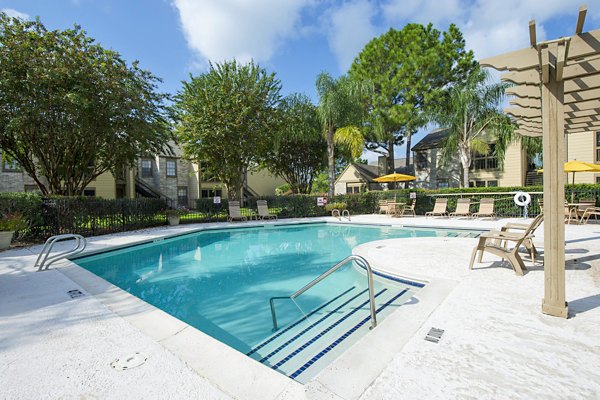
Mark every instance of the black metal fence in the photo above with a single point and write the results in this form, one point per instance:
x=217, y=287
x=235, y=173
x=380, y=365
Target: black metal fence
x=93, y=216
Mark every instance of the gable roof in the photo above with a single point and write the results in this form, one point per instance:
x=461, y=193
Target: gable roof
x=369, y=172
x=366, y=173
x=432, y=141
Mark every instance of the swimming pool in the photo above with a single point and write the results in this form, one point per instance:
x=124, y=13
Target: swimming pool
x=220, y=282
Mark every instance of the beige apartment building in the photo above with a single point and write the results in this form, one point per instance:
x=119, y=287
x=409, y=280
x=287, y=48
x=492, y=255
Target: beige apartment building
x=167, y=176
x=519, y=169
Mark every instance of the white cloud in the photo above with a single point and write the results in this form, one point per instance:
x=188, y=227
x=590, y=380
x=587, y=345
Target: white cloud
x=490, y=26
x=14, y=13
x=349, y=28
x=220, y=30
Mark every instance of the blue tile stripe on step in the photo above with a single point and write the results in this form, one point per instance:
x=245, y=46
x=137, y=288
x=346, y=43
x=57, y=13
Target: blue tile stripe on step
x=323, y=332
x=396, y=279
x=343, y=337
x=308, y=328
x=260, y=346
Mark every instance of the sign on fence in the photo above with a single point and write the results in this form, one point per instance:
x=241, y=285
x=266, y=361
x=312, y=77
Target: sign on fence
x=217, y=200
x=413, y=195
x=321, y=201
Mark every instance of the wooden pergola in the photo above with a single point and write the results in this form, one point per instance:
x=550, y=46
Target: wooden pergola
x=556, y=92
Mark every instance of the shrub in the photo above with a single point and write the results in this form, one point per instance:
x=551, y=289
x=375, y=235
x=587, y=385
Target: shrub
x=12, y=222
x=337, y=205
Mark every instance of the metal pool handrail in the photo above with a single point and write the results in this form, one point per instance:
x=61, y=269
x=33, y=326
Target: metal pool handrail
x=360, y=261
x=44, y=260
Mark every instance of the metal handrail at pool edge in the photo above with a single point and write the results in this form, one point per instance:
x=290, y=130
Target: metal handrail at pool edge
x=359, y=260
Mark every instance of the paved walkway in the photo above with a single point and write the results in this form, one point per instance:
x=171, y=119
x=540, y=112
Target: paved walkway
x=496, y=343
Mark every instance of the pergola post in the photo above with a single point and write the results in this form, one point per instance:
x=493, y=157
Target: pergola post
x=553, y=118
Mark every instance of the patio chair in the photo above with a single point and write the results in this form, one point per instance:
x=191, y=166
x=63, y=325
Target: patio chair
x=486, y=208
x=528, y=242
x=595, y=211
x=569, y=211
x=383, y=206
x=409, y=209
x=235, y=213
x=439, y=209
x=496, y=242
x=462, y=208
x=582, y=207
x=263, y=210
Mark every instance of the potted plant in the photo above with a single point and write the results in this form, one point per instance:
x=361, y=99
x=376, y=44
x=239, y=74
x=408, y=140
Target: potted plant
x=8, y=225
x=174, y=214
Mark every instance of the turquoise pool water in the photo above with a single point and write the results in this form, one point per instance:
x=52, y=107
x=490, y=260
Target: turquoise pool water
x=220, y=281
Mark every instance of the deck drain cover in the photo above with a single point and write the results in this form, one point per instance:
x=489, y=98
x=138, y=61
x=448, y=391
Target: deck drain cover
x=434, y=335
x=131, y=361
x=75, y=293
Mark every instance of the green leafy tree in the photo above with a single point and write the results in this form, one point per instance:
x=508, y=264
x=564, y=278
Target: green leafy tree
x=321, y=183
x=409, y=69
x=225, y=119
x=298, y=152
x=470, y=113
x=341, y=114
x=71, y=110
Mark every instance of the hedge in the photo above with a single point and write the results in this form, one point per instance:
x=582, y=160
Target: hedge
x=94, y=216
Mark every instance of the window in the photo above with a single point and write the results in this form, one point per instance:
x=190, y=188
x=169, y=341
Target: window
x=422, y=161
x=481, y=161
x=442, y=184
x=9, y=165
x=182, y=195
x=32, y=189
x=598, y=179
x=171, y=168
x=146, y=168
x=492, y=183
x=208, y=193
x=352, y=188
x=478, y=184
x=89, y=192
x=597, y=146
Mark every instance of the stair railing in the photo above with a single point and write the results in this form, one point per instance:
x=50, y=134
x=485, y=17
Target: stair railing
x=361, y=261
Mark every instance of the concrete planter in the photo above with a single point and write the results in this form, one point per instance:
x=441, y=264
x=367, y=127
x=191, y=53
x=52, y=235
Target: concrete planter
x=5, y=239
x=173, y=219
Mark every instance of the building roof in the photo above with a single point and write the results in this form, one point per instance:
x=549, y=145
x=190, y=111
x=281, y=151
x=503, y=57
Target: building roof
x=369, y=172
x=432, y=141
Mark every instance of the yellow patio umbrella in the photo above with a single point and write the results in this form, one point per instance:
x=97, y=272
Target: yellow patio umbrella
x=395, y=177
x=577, y=166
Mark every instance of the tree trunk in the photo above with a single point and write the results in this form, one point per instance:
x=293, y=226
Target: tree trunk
x=464, y=154
x=408, y=169
x=390, y=160
x=331, y=160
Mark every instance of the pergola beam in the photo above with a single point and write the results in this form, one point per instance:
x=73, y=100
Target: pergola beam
x=583, y=113
x=532, y=35
x=582, y=45
x=525, y=91
x=580, y=20
x=582, y=95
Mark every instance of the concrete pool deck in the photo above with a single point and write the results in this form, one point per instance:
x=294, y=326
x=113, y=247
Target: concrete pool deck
x=496, y=343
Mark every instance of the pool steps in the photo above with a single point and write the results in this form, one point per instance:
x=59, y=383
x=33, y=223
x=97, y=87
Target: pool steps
x=303, y=348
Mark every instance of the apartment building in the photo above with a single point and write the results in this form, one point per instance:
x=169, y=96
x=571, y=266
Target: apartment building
x=519, y=169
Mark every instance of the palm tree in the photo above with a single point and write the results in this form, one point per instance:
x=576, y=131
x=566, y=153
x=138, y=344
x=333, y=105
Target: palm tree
x=470, y=113
x=341, y=112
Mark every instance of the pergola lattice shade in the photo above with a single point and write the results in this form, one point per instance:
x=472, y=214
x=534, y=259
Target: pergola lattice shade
x=577, y=65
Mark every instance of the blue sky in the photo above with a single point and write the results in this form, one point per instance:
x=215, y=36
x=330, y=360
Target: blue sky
x=297, y=39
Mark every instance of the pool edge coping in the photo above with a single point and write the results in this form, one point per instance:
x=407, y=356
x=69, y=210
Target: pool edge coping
x=347, y=377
